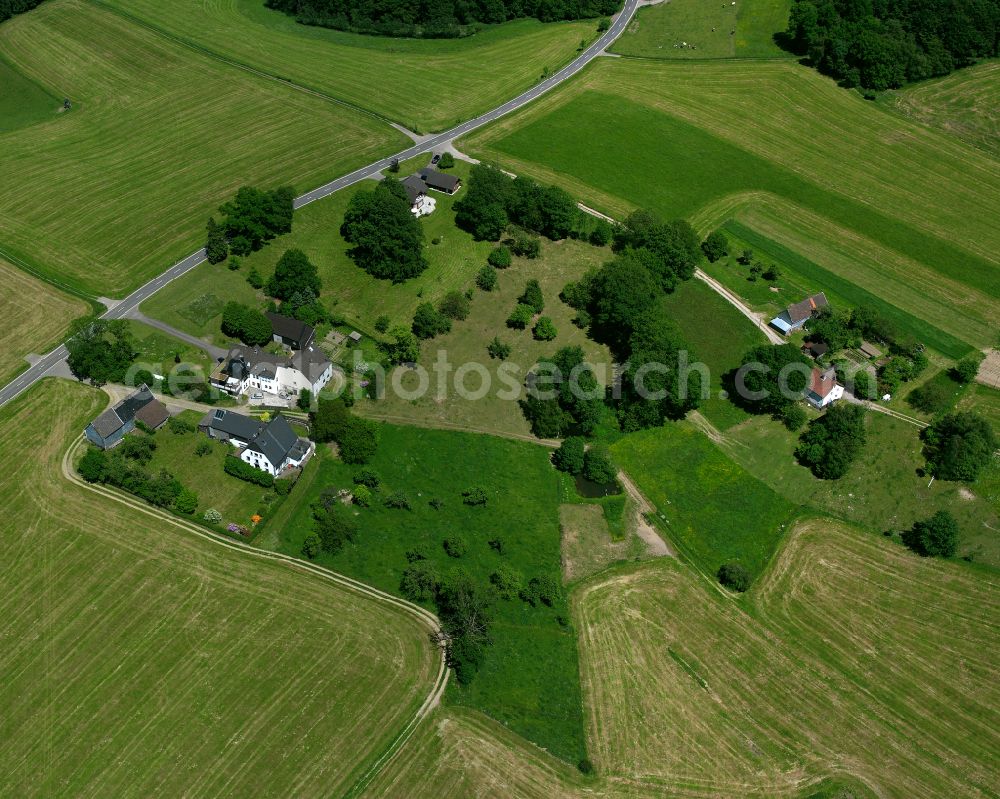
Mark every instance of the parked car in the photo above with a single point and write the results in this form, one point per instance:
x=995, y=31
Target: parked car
x=256, y=396
x=436, y=158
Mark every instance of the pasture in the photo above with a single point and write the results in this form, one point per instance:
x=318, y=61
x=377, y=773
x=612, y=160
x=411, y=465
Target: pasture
x=121, y=186
x=964, y=104
x=695, y=29
x=36, y=317
x=140, y=659
x=713, y=510
x=852, y=658
x=883, y=490
x=559, y=263
x=426, y=85
x=529, y=679
x=703, y=141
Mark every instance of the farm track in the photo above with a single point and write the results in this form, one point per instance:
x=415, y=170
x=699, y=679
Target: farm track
x=423, y=616
x=132, y=301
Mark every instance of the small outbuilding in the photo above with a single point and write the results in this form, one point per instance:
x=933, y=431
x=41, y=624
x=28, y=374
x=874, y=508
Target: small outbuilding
x=440, y=181
x=816, y=349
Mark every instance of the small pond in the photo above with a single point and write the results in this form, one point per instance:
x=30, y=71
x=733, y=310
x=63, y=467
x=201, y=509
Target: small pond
x=590, y=489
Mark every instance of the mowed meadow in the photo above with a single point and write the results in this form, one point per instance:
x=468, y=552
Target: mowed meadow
x=26, y=329
x=113, y=192
x=852, y=669
x=424, y=84
x=705, y=141
x=142, y=660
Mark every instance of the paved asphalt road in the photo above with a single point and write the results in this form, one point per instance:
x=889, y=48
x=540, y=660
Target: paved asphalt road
x=38, y=370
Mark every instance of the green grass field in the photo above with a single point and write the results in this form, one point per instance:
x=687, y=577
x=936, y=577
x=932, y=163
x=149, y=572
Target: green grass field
x=36, y=317
x=705, y=141
x=708, y=505
x=115, y=191
x=965, y=104
x=851, y=658
x=23, y=102
x=699, y=29
x=141, y=660
x=719, y=336
x=422, y=84
x=529, y=679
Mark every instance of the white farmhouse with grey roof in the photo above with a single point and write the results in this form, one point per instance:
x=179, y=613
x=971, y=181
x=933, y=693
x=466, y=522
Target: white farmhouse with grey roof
x=270, y=446
x=248, y=369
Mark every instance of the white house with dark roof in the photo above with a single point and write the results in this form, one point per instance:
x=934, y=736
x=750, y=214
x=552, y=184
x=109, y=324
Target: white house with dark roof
x=248, y=369
x=270, y=446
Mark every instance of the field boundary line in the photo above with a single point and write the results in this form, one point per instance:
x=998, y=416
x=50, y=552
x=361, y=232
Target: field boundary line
x=422, y=615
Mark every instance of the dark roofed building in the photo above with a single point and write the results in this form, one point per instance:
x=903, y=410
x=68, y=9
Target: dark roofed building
x=415, y=188
x=291, y=332
x=271, y=447
x=440, y=181
x=816, y=348
x=112, y=426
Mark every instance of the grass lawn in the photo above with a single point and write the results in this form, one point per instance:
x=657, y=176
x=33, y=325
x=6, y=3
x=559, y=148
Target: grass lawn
x=141, y=660
x=158, y=350
x=189, y=303
x=23, y=102
x=559, y=263
x=719, y=336
x=704, y=141
x=36, y=317
x=237, y=500
x=529, y=679
x=882, y=490
x=964, y=104
x=158, y=137
x=699, y=29
x=427, y=84
x=711, y=508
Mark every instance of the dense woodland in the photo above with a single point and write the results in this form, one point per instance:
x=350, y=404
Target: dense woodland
x=9, y=8
x=882, y=44
x=434, y=18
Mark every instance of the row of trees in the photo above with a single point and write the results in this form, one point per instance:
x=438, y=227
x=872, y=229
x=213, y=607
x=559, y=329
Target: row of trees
x=249, y=221
x=882, y=44
x=434, y=18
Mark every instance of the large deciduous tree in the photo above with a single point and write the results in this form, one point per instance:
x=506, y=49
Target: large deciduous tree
x=387, y=239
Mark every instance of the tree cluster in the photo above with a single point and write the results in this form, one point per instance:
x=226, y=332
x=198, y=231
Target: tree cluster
x=959, y=445
x=933, y=537
x=249, y=221
x=297, y=284
x=333, y=522
x=833, y=442
x=246, y=324
x=433, y=19
x=357, y=438
x=9, y=8
x=493, y=201
x=764, y=372
x=882, y=44
x=669, y=250
x=388, y=240
x=576, y=400
x=100, y=350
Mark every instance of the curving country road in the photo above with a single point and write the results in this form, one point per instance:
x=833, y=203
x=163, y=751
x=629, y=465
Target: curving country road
x=39, y=369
